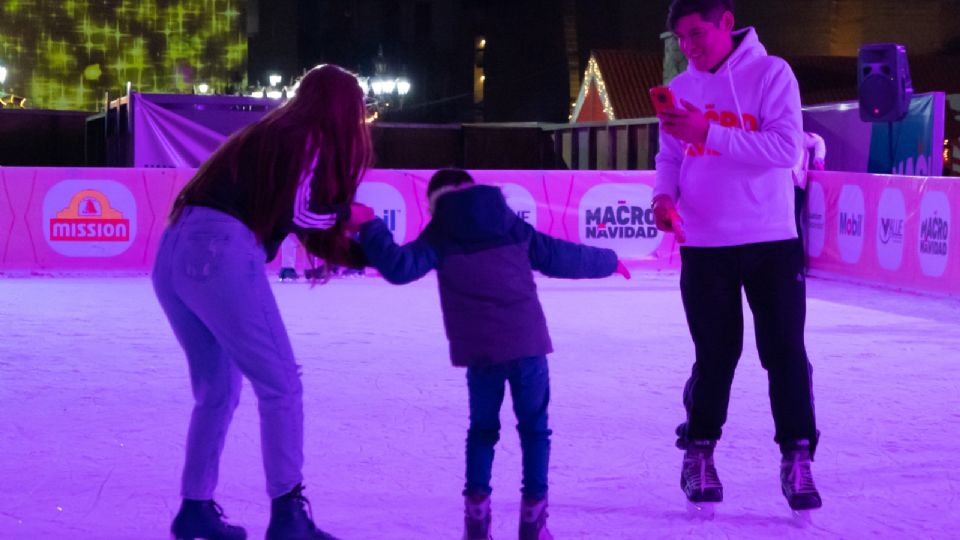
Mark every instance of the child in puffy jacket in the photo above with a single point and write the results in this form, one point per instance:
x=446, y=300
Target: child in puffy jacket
x=485, y=256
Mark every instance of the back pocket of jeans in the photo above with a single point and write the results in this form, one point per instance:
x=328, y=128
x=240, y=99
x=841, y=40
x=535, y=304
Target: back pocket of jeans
x=204, y=256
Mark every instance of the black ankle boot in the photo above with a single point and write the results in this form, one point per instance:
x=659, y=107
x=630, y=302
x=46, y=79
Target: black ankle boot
x=203, y=519
x=292, y=519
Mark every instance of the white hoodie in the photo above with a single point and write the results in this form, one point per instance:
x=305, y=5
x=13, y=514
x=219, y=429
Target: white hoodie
x=738, y=188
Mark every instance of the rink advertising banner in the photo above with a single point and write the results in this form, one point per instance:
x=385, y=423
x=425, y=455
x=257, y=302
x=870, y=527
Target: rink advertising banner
x=83, y=220
x=893, y=230
x=609, y=209
x=89, y=218
x=857, y=146
x=917, y=140
x=80, y=220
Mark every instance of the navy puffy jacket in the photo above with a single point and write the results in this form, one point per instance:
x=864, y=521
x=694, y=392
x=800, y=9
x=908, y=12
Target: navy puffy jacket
x=484, y=256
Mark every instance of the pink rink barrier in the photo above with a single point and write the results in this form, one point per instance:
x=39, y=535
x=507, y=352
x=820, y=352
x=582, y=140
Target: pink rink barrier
x=890, y=230
x=78, y=220
x=872, y=228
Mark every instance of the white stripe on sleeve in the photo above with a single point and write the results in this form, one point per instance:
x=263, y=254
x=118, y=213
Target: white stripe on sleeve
x=302, y=216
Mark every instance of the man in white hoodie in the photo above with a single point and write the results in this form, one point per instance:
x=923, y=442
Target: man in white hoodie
x=725, y=188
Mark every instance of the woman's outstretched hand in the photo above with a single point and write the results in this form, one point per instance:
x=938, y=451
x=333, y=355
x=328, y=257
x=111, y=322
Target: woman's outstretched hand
x=359, y=214
x=622, y=270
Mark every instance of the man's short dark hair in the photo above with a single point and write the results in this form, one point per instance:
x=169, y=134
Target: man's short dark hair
x=709, y=10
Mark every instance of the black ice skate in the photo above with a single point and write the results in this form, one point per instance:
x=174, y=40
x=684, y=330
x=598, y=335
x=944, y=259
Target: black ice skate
x=290, y=520
x=796, y=480
x=203, y=519
x=288, y=274
x=699, y=480
x=533, y=520
x=476, y=517
x=315, y=274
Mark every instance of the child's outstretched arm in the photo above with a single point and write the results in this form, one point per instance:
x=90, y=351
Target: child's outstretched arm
x=397, y=264
x=559, y=258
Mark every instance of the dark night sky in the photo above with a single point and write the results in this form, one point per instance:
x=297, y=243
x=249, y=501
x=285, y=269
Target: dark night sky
x=526, y=62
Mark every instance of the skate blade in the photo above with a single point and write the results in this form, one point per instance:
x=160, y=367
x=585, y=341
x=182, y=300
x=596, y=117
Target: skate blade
x=467, y=537
x=701, y=510
x=801, y=518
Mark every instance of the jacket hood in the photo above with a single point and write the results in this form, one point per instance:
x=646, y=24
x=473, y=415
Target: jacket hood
x=474, y=214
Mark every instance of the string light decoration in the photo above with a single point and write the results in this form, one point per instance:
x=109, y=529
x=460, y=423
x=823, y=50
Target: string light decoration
x=12, y=102
x=593, y=76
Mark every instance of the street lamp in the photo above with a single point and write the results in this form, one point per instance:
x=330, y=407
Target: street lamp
x=403, y=86
x=3, y=74
x=203, y=88
x=292, y=90
x=387, y=88
x=275, y=79
x=389, y=85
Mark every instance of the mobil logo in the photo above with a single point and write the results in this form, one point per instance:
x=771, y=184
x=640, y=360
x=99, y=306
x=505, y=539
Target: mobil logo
x=850, y=209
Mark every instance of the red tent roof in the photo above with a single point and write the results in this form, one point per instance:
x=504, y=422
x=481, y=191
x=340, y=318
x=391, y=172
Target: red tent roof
x=626, y=77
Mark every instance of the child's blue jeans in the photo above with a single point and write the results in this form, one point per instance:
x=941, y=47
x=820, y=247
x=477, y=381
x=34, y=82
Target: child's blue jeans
x=530, y=390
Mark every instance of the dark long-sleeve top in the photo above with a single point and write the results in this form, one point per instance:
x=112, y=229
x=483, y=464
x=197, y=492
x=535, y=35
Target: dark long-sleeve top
x=232, y=196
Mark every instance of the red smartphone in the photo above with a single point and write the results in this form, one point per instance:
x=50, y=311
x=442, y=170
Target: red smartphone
x=663, y=99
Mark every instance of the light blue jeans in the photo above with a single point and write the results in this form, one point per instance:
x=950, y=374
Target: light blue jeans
x=211, y=281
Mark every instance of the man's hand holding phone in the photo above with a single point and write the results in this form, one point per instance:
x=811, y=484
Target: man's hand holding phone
x=679, y=118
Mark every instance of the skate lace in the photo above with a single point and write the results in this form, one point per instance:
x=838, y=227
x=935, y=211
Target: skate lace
x=704, y=476
x=297, y=495
x=218, y=509
x=799, y=476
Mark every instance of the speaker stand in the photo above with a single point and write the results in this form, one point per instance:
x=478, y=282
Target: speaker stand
x=890, y=146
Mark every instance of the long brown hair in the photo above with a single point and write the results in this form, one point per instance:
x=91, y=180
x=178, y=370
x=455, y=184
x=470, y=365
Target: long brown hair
x=326, y=120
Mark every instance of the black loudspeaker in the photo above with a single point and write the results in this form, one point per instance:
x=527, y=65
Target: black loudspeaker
x=884, y=87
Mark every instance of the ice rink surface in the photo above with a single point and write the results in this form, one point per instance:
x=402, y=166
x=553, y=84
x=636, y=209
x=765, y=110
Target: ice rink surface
x=95, y=402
